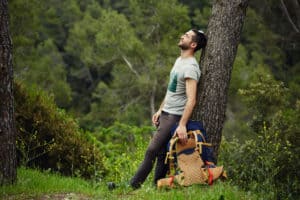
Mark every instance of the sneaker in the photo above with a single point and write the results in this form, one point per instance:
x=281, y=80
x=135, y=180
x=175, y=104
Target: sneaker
x=111, y=185
x=135, y=184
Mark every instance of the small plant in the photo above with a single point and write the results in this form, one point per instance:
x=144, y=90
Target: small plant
x=31, y=148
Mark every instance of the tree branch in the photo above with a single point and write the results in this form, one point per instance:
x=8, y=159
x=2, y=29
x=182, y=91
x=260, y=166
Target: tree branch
x=296, y=7
x=286, y=12
x=130, y=66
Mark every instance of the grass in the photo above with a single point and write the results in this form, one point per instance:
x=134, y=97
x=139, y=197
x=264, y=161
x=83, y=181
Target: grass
x=34, y=184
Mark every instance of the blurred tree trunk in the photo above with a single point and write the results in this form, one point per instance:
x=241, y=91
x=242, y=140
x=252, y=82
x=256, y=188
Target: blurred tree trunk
x=7, y=127
x=224, y=29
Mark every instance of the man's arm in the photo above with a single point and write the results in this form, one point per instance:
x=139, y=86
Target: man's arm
x=191, y=91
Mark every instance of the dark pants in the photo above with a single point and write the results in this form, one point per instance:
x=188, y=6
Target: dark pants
x=156, y=149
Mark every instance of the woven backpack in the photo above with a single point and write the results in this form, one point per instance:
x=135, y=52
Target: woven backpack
x=190, y=163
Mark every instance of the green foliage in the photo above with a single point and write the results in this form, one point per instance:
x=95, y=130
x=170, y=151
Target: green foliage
x=124, y=148
x=201, y=17
x=71, y=49
x=268, y=162
x=57, y=18
x=48, y=72
x=98, y=38
x=257, y=41
x=49, y=138
x=294, y=82
x=37, y=60
x=253, y=61
x=101, y=47
x=287, y=39
x=262, y=165
x=264, y=98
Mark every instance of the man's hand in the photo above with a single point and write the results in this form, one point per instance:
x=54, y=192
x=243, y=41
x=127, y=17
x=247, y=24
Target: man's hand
x=155, y=118
x=182, y=134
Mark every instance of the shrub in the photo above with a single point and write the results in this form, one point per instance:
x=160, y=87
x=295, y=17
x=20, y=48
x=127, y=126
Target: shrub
x=257, y=164
x=124, y=147
x=48, y=138
x=268, y=163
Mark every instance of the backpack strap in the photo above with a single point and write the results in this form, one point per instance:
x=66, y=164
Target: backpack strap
x=198, y=132
x=171, y=150
x=170, y=155
x=210, y=177
x=199, y=144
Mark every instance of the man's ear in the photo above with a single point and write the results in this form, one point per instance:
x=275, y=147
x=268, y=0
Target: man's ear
x=193, y=45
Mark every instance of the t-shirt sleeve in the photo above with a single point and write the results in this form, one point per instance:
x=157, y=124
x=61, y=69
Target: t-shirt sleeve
x=192, y=72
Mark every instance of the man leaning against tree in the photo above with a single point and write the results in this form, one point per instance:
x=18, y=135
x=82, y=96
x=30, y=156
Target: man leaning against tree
x=177, y=107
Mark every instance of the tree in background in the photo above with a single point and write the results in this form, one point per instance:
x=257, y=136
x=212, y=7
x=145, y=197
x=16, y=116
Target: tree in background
x=39, y=30
x=283, y=18
x=139, y=65
x=253, y=58
x=60, y=45
x=224, y=30
x=7, y=126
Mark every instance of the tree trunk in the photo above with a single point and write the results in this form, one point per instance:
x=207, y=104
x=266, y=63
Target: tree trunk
x=224, y=29
x=7, y=126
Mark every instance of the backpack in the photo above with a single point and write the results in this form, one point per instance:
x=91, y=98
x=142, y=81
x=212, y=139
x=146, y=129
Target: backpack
x=191, y=163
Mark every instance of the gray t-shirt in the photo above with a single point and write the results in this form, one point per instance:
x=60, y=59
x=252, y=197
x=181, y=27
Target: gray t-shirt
x=176, y=98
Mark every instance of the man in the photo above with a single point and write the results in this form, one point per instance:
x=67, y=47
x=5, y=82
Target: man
x=176, y=107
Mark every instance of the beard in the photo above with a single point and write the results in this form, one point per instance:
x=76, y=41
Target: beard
x=183, y=46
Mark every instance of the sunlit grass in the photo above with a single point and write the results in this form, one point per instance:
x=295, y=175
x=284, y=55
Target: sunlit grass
x=33, y=184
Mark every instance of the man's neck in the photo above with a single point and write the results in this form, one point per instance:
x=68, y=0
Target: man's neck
x=186, y=53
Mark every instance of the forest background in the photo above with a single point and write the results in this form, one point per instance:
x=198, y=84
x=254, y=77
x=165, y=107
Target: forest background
x=89, y=75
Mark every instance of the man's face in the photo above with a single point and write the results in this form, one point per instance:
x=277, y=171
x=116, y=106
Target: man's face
x=186, y=40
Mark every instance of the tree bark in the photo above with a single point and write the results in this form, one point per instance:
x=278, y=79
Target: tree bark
x=223, y=32
x=7, y=125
